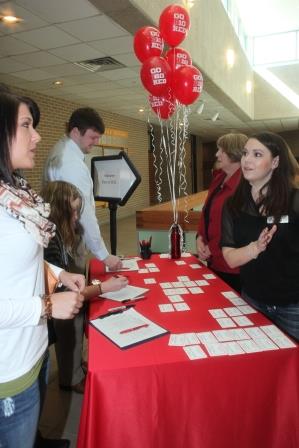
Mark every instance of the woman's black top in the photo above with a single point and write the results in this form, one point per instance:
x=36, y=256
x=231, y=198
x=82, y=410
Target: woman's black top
x=273, y=277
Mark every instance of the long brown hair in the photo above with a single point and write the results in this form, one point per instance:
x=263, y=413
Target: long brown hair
x=59, y=195
x=276, y=194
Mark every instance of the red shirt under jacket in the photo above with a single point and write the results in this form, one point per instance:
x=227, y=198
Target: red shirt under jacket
x=216, y=261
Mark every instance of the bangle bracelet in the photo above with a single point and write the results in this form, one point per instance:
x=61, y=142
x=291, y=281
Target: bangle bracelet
x=99, y=284
x=48, y=306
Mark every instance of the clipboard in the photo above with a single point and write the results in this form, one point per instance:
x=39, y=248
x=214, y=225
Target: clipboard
x=127, y=328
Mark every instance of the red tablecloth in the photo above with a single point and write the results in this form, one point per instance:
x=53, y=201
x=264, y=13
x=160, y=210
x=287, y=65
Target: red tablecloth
x=153, y=396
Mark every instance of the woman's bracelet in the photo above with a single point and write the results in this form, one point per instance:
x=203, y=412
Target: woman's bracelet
x=98, y=283
x=47, y=306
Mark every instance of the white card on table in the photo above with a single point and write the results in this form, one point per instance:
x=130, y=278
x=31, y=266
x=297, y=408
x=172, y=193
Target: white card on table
x=143, y=271
x=180, y=262
x=249, y=346
x=182, y=339
x=164, y=256
x=206, y=337
x=202, y=282
x=226, y=322
x=216, y=349
x=154, y=269
x=217, y=312
x=278, y=336
x=237, y=301
x=196, y=290
x=166, y=285
x=149, y=281
x=150, y=265
x=194, y=352
x=172, y=291
x=181, y=306
x=166, y=307
x=209, y=276
x=229, y=294
x=189, y=283
x=247, y=309
x=233, y=311
x=224, y=335
x=243, y=321
x=175, y=298
x=183, y=278
x=178, y=284
x=233, y=348
x=195, y=266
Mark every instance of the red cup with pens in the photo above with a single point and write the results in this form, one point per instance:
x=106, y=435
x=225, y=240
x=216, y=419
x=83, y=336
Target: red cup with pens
x=145, y=248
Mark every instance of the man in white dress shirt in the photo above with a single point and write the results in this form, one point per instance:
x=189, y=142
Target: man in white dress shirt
x=66, y=162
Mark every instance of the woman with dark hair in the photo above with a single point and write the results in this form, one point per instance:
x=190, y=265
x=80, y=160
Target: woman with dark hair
x=24, y=308
x=260, y=230
x=66, y=204
x=226, y=177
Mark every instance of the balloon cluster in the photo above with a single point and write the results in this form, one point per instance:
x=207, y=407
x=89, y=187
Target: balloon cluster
x=170, y=77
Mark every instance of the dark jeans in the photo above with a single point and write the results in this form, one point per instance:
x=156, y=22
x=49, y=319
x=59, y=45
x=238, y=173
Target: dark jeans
x=285, y=317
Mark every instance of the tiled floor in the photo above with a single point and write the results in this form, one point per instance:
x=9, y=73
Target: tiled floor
x=61, y=412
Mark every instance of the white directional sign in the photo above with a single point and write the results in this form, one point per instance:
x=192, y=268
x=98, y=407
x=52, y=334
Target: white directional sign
x=114, y=178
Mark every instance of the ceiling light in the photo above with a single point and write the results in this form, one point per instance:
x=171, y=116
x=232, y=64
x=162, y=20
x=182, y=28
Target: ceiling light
x=230, y=57
x=10, y=19
x=141, y=110
x=58, y=83
x=215, y=117
x=188, y=3
x=200, y=108
x=248, y=87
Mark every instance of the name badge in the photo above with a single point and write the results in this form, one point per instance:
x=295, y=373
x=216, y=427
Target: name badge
x=283, y=220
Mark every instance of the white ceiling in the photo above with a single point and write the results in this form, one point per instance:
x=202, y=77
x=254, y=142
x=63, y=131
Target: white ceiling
x=56, y=33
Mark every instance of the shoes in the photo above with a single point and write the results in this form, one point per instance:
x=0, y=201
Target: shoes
x=41, y=442
x=78, y=388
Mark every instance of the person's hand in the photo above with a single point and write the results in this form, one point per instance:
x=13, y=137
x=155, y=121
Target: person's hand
x=65, y=305
x=74, y=282
x=113, y=262
x=265, y=238
x=203, y=249
x=114, y=283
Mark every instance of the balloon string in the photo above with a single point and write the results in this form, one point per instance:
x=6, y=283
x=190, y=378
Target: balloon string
x=157, y=170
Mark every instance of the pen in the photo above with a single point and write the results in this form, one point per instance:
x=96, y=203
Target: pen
x=133, y=300
x=128, y=330
x=119, y=308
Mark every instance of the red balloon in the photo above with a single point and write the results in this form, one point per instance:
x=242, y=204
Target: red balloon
x=187, y=84
x=176, y=57
x=174, y=24
x=156, y=75
x=148, y=42
x=163, y=106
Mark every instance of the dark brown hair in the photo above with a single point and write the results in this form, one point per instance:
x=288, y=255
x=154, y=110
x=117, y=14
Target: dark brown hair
x=276, y=194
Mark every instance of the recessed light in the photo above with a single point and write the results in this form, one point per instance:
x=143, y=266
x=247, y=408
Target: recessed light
x=248, y=87
x=141, y=110
x=230, y=57
x=58, y=83
x=10, y=19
